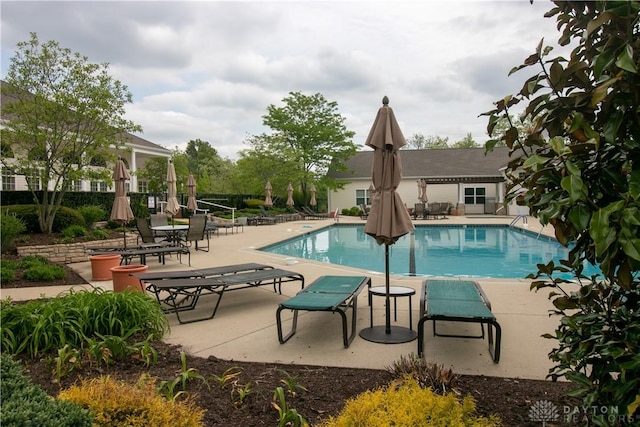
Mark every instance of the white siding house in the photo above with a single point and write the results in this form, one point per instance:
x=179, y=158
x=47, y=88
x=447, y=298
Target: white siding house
x=470, y=181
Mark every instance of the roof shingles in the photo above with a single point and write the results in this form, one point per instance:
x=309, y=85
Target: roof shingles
x=434, y=164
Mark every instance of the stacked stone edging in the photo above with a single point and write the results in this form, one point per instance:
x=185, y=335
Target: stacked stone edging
x=74, y=252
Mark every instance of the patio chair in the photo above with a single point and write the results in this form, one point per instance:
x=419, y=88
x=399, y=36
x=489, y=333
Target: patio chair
x=156, y=220
x=363, y=212
x=434, y=209
x=316, y=215
x=419, y=211
x=336, y=294
x=444, y=210
x=197, y=231
x=458, y=301
x=145, y=233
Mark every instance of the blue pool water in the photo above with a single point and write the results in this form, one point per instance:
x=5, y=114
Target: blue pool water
x=467, y=251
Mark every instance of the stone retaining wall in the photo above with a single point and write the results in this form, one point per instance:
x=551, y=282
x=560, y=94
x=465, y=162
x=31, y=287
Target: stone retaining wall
x=75, y=252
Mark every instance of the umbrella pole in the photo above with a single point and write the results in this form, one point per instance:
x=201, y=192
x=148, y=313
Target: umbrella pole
x=388, y=298
x=388, y=334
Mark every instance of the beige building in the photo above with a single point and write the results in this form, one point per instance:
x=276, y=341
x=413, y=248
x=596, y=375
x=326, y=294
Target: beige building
x=472, y=182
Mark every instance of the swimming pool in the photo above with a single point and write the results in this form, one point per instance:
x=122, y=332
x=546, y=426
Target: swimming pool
x=431, y=250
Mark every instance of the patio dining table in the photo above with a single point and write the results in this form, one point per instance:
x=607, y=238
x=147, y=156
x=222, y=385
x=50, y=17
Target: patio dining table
x=174, y=233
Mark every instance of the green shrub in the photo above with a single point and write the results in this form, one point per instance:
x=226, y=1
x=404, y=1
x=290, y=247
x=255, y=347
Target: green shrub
x=39, y=273
x=44, y=325
x=32, y=261
x=8, y=271
x=428, y=375
x=116, y=403
x=407, y=404
x=114, y=225
x=254, y=203
x=74, y=231
x=29, y=215
x=354, y=211
x=25, y=404
x=10, y=228
x=100, y=234
x=92, y=214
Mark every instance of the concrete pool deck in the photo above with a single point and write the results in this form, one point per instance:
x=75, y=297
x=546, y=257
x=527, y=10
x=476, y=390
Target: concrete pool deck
x=244, y=328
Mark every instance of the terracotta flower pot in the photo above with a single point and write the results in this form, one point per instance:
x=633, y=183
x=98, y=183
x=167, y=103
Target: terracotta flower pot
x=122, y=278
x=101, y=266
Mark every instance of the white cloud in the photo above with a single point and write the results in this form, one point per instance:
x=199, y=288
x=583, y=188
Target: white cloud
x=209, y=69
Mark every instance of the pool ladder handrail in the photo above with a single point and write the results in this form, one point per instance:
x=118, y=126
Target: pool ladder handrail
x=518, y=217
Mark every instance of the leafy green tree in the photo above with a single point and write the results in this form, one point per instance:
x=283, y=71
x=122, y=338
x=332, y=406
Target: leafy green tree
x=308, y=135
x=466, y=142
x=418, y=141
x=581, y=164
x=520, y=123
x=154, y=172
x=65, y=111
x=212, y=172
x=259, y=164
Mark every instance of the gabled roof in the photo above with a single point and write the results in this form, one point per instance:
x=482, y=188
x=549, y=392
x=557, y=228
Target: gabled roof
x=436, y=165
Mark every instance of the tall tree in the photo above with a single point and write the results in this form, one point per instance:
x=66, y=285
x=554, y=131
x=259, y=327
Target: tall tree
x=420, y=142
x=466, y=142
x=310, y=134
x=259, y=164
x=65, y=112
x=579, y=165
x=211, y=171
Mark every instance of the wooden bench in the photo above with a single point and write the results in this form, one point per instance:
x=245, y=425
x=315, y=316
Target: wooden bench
x=182, y=294
x=327, y=293
x=458, y=301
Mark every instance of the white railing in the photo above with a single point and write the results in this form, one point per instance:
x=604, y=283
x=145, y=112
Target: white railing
x=233, y=210
x=162, y=204
x=525, y=223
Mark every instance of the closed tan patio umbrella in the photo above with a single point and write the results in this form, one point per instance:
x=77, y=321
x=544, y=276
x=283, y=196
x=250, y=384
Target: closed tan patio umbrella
x=173, y=207
x=388, y=218
x=121, y=210
x=192, y=204
x=290, y=195
x=313, y=201
x=422, y=190
x=267, y=195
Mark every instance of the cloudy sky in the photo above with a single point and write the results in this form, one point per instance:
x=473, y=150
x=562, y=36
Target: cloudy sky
x=210, y=69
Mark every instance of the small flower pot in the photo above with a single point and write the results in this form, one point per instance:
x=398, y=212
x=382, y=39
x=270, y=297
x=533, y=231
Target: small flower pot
x=101, y=266
x=123, y=279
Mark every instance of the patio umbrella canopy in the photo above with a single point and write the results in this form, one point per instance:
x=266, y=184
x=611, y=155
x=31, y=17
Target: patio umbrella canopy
x=388, y=218
x=267, y=195
x=173, y=207
x=313, y=201
x=121, y=210
x=290, y=195
x=422, y=190
x=192, y=204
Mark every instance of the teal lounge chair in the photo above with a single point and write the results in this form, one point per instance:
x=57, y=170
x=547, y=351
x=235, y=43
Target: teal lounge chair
x=458, y=301
x=327, y=293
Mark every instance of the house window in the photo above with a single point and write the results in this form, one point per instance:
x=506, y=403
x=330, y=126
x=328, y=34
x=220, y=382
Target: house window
x=33, y=180
x=363, y=197
x=143, y=187
x=74, y=185
x=474, y=196
x=8, y=179
x=98, y=186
